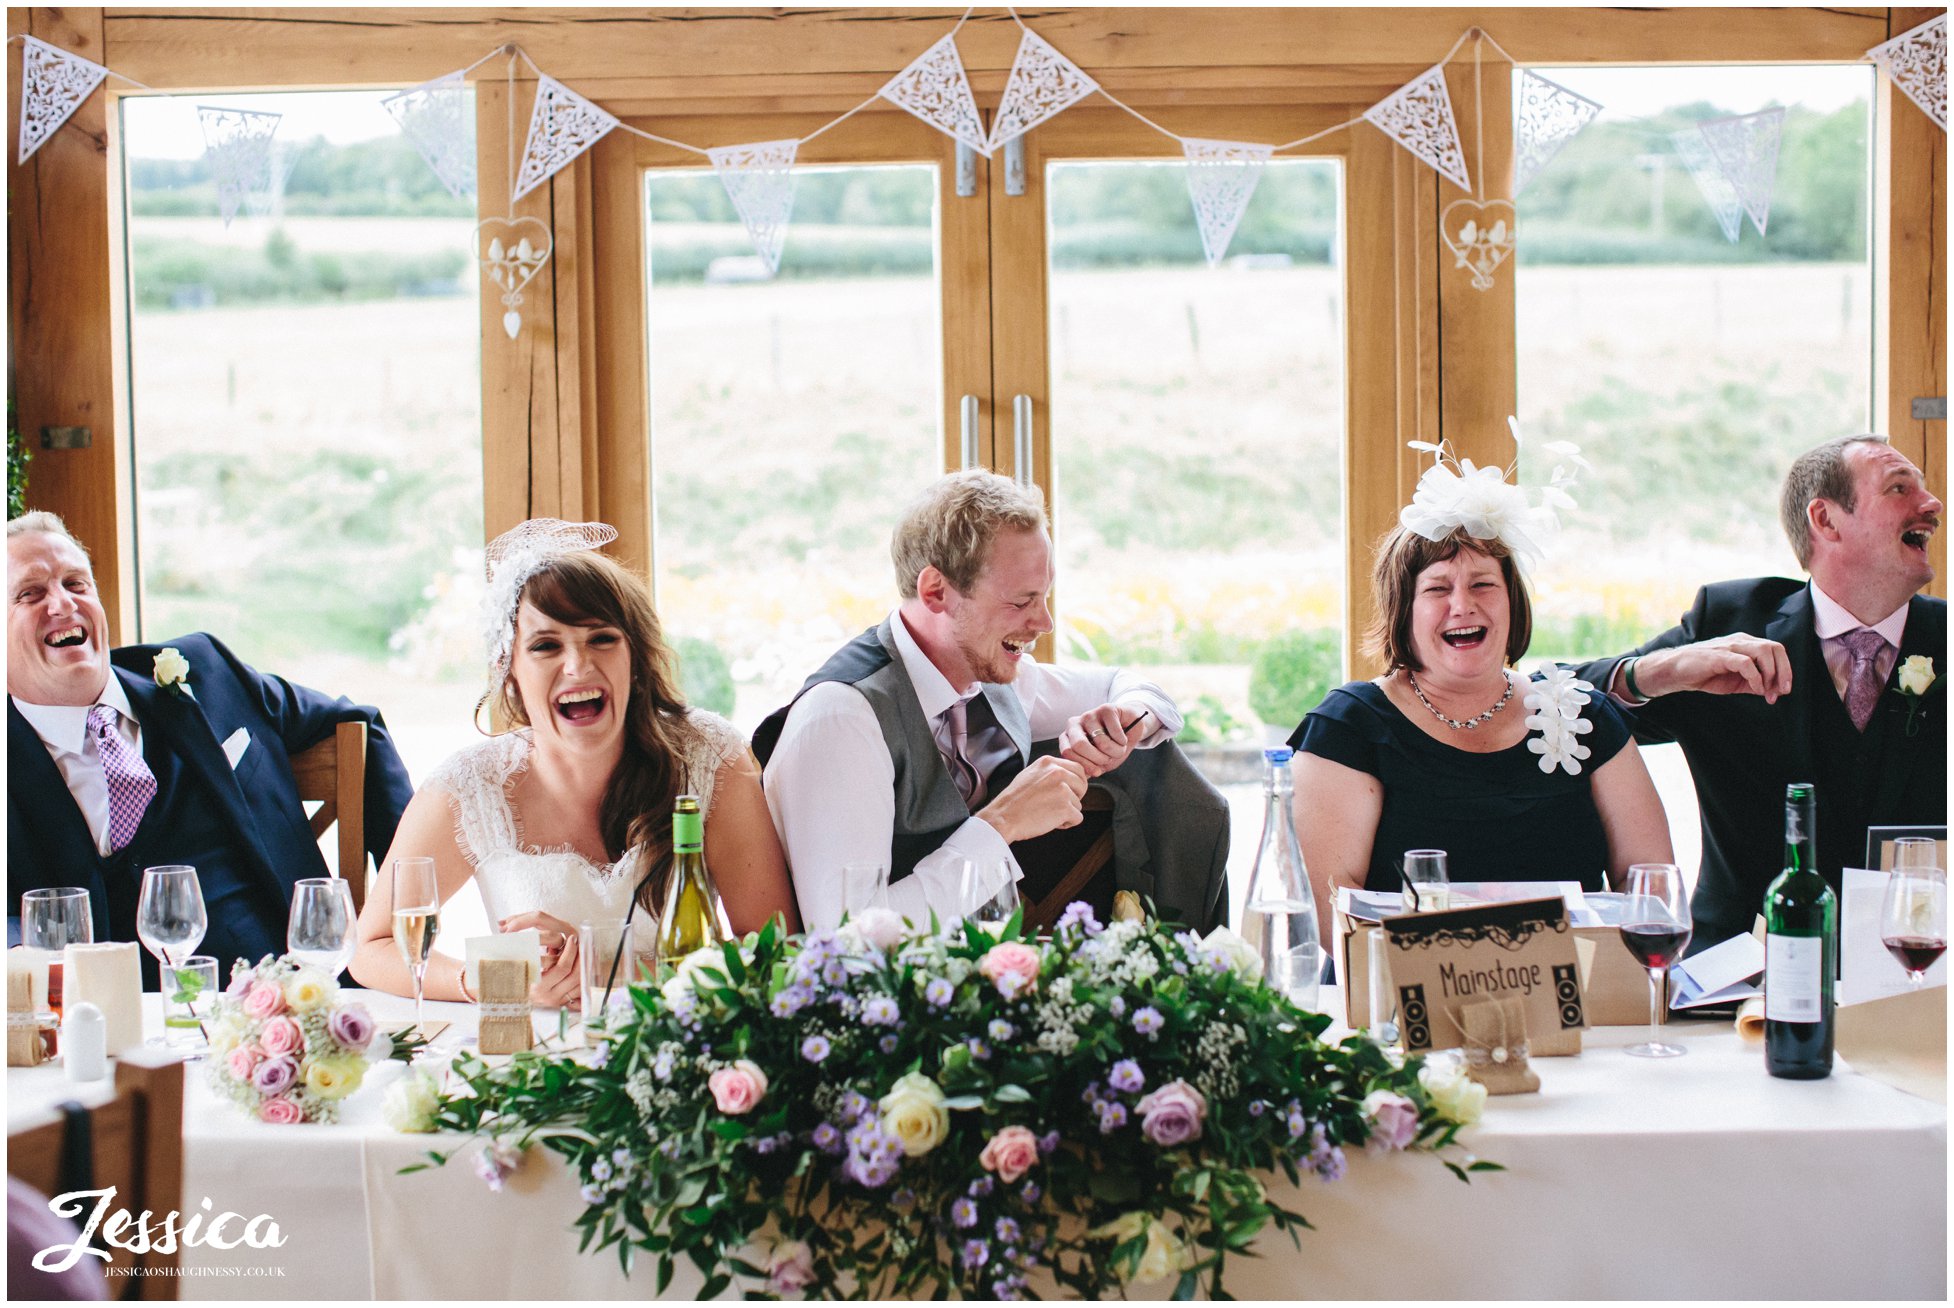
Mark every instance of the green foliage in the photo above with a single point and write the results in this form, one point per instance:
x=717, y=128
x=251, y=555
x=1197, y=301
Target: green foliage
x=172, y=273
x=1207, y=721
x=1292, y=674
x=18, y=457
x=384, y=177
x=704, y=674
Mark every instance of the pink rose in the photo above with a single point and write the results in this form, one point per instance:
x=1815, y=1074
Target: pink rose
x=880, y=928
x=242, y=1060
x=790, y=1268
x=1394, y=1120
x=1010, y=1153
x=736, y=1089
x=264, y=1000
x=280, y=1036
x=1172, y=1114
x=280, y=1112
x=1012, y=967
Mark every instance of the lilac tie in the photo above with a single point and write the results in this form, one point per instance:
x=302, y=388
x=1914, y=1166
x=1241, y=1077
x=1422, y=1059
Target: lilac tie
x=131, y=784
x=969, y=784
x=1862, y=683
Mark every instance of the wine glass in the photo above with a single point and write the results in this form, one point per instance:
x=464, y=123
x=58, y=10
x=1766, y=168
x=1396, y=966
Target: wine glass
x=417, y=917
x=997, y=910
x=320, y=932
x=1655, y=927
x=1427, y=881
x=1913, y=916
x=51, y=919
x=864, y=885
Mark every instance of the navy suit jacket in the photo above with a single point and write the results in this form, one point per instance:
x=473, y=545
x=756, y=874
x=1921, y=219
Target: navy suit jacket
x=267, y=844
x=1742, y=751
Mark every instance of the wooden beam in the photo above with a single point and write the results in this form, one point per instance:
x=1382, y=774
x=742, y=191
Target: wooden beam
x=61, y=314
x=1374, y=394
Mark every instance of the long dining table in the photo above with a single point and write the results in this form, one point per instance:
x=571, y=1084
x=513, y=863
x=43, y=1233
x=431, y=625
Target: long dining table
x=1692, y=1178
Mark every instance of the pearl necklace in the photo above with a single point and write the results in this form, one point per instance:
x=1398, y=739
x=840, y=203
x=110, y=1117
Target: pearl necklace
x=1469, y=724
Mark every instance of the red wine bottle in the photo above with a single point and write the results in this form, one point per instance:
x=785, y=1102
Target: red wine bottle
x=1801, y=948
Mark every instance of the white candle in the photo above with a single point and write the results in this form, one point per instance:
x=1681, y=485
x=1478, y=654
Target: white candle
x=109, y=976
x=84, y=1043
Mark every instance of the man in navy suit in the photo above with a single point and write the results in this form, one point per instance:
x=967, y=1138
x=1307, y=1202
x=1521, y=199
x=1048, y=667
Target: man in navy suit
x=115, y=763
x=1768, y=681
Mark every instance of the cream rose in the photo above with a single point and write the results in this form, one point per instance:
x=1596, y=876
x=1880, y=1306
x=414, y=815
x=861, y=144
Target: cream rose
x=334, y=1078
x=1455, y=1096
x=411, y=1103
x=308, y=990
x=1916, y=674
x=171, y=667
x=913, y=1111
x=1241, y=956
x=1164, y=1254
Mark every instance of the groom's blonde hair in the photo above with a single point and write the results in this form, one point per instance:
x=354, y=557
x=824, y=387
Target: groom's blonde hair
x=953, y=523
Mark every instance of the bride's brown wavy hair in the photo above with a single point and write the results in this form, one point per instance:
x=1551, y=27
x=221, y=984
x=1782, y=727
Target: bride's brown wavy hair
x=588, y=589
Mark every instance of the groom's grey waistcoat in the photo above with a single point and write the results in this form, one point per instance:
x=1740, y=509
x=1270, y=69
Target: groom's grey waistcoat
x=929, y=807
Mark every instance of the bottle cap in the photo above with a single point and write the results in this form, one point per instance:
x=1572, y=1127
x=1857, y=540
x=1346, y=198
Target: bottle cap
x=1280, y=754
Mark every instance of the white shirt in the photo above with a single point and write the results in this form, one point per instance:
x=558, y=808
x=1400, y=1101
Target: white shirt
x=1832, y=622
x=64, y=730
x=831, y=783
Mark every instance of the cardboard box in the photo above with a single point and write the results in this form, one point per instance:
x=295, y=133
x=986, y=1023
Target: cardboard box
x=1614, y=986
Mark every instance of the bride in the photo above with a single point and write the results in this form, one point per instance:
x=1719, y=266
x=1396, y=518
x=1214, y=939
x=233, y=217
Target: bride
x=567, y=818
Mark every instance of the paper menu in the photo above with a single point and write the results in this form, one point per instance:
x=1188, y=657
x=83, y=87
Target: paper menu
x=1866, y=969
x=1719, y=975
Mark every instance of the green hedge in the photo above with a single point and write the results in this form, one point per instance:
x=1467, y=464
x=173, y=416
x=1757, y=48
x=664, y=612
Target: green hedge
x=1292, y=674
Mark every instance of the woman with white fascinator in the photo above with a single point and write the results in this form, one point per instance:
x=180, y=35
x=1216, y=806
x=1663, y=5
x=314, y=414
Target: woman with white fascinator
x=568, y=817
x=1517, y=778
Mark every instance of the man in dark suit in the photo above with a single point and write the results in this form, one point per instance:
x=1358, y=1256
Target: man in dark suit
x=1769, y=681
x=119, y=760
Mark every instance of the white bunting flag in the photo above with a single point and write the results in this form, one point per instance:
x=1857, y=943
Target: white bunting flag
x=937, y=90
x=1716, y=188
x=439, y=118
x=1221, y=178
x=238, y=144
x=1418, y=116
x=1043, y=83
x=1746, y=149
x=53, y=83
x=760, y=179
x=561, y=126
x=1916, y=61
x=1550, y=116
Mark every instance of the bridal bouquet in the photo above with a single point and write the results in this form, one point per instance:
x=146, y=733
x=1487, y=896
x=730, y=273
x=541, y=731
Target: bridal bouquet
x=284, y=1048
x=900, y=1113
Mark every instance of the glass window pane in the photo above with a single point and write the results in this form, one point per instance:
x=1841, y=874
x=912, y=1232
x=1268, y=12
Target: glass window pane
x=790, y=417
x=1197, y=435
x=306, y=389
x=1688, y=368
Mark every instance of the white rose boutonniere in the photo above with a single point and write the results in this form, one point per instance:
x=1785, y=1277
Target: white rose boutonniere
x=1916, y=679
x=172, y=670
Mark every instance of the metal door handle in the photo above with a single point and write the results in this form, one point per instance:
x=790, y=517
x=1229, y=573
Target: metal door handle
x=969, y=431
x=1021, y=436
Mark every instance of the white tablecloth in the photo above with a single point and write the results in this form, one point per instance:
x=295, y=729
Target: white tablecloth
x=1698, y=1177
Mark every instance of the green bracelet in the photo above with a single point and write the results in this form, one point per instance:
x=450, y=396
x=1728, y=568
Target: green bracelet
x=1628, y=677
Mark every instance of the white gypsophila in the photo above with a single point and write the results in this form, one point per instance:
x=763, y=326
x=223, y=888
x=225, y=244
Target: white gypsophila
x=1061, y=990
x=1215, y=1055
x=640, y=1088
x=1557, y=701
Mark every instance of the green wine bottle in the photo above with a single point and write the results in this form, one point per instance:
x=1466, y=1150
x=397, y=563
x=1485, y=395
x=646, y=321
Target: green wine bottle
x=694, y=917
x=1801, y=950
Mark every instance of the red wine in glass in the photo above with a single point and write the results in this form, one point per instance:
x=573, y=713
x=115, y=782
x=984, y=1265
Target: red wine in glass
x=1916, y=953
x=1656, y=944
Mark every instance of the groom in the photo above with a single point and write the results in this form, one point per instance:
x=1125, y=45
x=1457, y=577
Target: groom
x=1769, y=681
x=113, y=764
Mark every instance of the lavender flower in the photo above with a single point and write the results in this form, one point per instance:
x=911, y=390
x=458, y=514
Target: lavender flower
x=1257, y=1108
x=790, y=1001
x=621, y=1157
x=600, y=1055
x=976, y=1253
x=497, y=1162
x=1001, y=1030
x=1031, y=1193
x=938, y=992
x=963, y=1214
x=827, y=1139
x=978, y=1049
x=590, y=1194
x=766, y=1144
x=1078, y=913
x=815, y=1048
x=888, y=1043
x=1117, y=1005
x=600, y=1170
x=981, y=1187
x=1112, y=1116
x=881, y=1010
x=1148, y=1021
x=1126, y=1076
x=1007, y=1230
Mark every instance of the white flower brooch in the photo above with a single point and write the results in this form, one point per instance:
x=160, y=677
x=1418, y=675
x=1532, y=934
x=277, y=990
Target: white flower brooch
x=1556, y=702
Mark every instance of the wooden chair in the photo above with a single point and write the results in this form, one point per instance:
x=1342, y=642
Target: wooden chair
x=1097, y=856
x=134, y=1143
x=334, y=772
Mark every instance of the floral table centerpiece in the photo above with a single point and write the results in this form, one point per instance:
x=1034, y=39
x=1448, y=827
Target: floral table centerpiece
x=903, y=1113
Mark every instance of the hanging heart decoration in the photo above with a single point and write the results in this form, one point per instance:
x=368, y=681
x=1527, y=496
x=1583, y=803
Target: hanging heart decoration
x=511, y=259
x=1480, y=234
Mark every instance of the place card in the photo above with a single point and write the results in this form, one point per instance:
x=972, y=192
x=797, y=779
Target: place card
x=506, y=1027
x=1441, y=962
x=25, y=1048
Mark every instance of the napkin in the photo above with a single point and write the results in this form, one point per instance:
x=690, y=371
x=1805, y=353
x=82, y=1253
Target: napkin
x=525, y=946
x=107, y=974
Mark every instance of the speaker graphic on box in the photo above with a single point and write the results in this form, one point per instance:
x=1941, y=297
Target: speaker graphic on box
x=1567, y=992
x=1417, y=1019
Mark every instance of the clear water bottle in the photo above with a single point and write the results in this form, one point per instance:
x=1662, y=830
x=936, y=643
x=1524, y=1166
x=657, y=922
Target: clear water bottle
x=1281, y=917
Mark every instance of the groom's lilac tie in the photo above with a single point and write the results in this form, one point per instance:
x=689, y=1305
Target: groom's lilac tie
x=131, y=784
x=969, y=784
x=1862, y=683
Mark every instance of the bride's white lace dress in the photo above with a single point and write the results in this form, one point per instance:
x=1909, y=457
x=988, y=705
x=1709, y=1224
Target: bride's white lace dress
x=517, y=877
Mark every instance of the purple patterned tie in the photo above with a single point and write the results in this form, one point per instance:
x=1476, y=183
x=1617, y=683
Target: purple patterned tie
x=969, y=784
x=131, y=784
x=1862, y=684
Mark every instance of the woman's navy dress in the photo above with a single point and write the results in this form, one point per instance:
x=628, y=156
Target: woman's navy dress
x=1498, y=816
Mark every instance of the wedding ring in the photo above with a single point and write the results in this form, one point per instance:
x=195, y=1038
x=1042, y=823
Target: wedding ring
x=1095, y=733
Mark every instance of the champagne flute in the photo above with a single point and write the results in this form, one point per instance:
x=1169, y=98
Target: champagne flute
x=320, y=932
x=51, y=919
x=1913, y=915
x=1656, y=928
x=417, y=917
